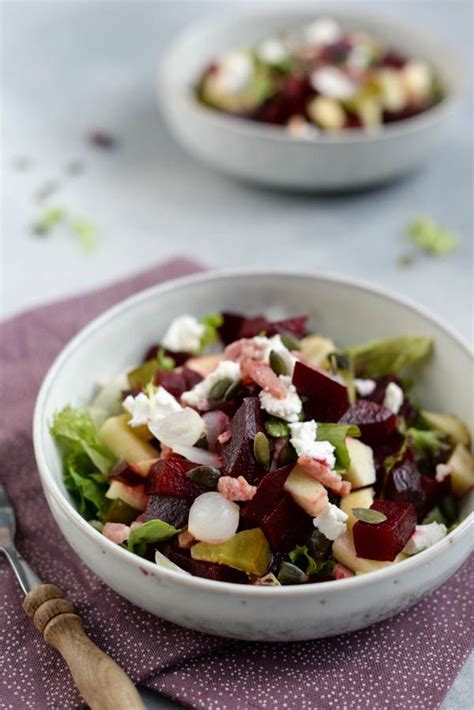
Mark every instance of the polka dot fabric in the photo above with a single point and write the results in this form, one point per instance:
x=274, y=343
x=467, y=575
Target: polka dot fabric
x=407, y=662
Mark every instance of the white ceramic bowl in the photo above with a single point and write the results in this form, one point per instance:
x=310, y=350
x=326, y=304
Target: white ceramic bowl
x=345, y=310
x=267, y=154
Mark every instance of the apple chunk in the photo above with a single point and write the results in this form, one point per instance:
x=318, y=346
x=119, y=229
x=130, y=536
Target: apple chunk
x=448, y=424
x=343, y=551
x=134, y=496
x=121, y=440
x=461, y=466
x=362, y=468
x=308, y=493
x=362, y=498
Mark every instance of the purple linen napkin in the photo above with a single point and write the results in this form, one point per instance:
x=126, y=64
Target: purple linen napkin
x=407, y=662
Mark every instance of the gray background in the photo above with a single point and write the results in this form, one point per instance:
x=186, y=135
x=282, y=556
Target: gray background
x=71, y=67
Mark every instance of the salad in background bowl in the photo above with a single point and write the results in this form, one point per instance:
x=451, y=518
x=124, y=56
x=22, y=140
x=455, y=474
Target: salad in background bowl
x=106, y=458
x=320, y=78
x=248, y=450
x=288, y=98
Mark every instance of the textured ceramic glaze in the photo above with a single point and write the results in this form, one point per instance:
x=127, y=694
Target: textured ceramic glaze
x=267, y=154
x=346, y=311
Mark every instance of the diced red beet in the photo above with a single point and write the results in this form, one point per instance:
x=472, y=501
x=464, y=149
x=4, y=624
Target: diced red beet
x=407, y=409
x=393, y=60
x=126, y=473
x=404, y=484
x=217, y=422
x=292, y=326
x=177, y=382
x=269, y=493
x=209, y=570
x=236, y=326
x=253, y=326
x=179, y=357
x=337, y=52
x=327, y=399
x=384, y=541
x=230, y=328
x=434, y=490
x=376, y=422
x=286, y=524
x=174, y=511
x=167, y=477
x=237, y=453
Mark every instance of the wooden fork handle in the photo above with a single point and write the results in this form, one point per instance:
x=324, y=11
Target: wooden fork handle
x=101, y=682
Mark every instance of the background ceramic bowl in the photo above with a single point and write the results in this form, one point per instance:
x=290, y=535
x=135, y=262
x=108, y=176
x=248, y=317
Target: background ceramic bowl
x=268, y=154
x=346, y=311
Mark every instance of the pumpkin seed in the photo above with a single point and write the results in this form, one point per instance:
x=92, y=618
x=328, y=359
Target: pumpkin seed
x=268, y=580
x=290, y=342
x=368, y=515
x=277, y=363
x=232, y=391
x=287, y=456
x=291, y=574
x=204, y=475
x=261, y=450
x=218, y=389
x=277, y=428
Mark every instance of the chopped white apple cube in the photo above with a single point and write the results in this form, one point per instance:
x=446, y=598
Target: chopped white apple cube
x=123, y=442
x=343, y=551
x=361, y=471
x=461, y=465
x=316, y=350
x=448, y=424
x=362, y=498
x=134, y=496
x=308, y=493
x=327, y=113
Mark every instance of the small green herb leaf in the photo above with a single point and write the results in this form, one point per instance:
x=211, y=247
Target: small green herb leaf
x=151, y=531
x=301, y=558
x=427, y=440
x=336, y=435
x=367, y=515
x=165, y=362
x=261, y=450
x=86, y=233
x=431, y=237
x=49, y=219
x=211, y=322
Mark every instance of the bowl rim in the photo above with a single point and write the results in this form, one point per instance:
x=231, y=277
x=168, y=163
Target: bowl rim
x=51, y=488
x=248, y=128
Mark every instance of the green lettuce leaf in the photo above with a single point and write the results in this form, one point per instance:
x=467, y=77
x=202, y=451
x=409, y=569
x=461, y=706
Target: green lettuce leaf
x=86, y=461
x=144, y=374
x=75, y=432
x=211, y=322
x=301, y=558
x=426, y=440
x=152, y=531
x=336, y=435
x=390, y=355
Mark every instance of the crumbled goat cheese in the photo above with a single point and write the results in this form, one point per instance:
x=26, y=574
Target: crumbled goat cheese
x=323, y=31
x=288, y=408
x=332, y=82
x=234, y=72
x=425, y=536
x=146, y=408
x=197, y=396
x=272, y=51
x=442, y=471
x=332, y=522
x=266, y=345
x=364, y=387
x=393, y=398
x=303, y=439
x=184, y=335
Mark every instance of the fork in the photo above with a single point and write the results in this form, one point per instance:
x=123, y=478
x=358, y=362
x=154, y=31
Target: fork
x=101, y=682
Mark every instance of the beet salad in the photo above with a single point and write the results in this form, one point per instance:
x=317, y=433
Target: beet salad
x=321, y=77
x=247, y=450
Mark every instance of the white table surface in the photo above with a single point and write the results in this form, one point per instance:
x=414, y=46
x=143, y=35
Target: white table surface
x=71, y=67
